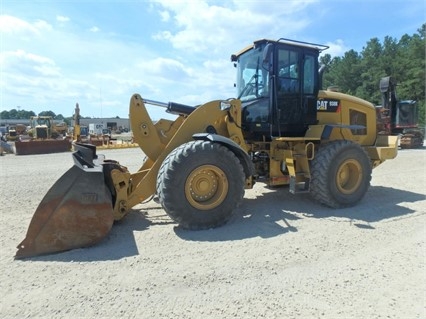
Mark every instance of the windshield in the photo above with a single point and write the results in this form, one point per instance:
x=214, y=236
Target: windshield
x=38, y=121
x=252, y=77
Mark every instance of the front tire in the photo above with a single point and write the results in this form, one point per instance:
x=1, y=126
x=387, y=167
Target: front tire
x=341, y=174
x=200, y=184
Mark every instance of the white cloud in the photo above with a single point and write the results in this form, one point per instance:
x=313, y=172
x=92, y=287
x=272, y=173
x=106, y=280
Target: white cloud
x=163, y=35
x=9, y=24
x=201, y=26
x=170, y=69
x=165, y=16
x=287, y=7
x=28, y=63
x=42, y=25
x=193, y=66
x=28, y=74
x=62, y=19
x=198, y=38
x=336, y=48
x=43, y=75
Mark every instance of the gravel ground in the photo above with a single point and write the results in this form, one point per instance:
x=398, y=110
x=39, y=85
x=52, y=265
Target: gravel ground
x=280, y=256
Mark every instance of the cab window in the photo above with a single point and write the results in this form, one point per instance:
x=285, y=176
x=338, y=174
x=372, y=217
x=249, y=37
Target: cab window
x=288, y=72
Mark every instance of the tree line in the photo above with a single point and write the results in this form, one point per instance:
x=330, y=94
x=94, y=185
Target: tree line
x=359, y=73
x=15, y=114
x=25, y=115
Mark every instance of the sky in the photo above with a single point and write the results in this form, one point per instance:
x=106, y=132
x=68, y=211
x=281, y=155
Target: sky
x=98, y=53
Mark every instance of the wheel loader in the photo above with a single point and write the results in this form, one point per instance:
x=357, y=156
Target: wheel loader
x=282, y=129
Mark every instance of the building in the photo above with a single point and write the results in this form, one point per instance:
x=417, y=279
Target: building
x=114, y=124
x=8, y=122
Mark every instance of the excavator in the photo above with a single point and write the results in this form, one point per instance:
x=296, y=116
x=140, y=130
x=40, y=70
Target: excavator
x=282, y=129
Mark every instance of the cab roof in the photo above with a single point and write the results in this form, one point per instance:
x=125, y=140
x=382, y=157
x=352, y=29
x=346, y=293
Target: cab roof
x=318, y=47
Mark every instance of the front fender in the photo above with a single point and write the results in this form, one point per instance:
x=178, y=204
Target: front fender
x=240, y=153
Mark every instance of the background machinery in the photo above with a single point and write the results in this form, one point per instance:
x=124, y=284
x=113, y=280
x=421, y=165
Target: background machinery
x=44, y=137
x=283, y=129
x=98, y=135
x=14, y=131
x=399, y=117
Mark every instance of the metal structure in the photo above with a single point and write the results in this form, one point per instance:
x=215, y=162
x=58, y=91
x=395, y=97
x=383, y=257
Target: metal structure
x=399, y=117
x=45, y=137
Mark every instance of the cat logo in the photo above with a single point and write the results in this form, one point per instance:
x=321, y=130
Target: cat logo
x=328, y=105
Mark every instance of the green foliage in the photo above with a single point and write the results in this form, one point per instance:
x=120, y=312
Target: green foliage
x=16, y=114
x=359, y=73
x=47, y=113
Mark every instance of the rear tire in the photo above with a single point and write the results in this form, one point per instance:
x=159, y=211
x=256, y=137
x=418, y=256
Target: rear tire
x=341, y=174
x=200, y=184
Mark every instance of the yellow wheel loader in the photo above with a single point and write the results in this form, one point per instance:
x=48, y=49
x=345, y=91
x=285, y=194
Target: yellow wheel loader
x=283, y=129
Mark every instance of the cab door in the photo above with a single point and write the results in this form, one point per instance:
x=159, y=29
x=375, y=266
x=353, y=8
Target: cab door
x=310, y=87
x=296, y=87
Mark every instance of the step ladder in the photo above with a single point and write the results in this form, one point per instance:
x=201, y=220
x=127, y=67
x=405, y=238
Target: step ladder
x=297, y=162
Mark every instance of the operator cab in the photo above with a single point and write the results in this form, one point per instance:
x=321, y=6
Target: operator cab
x=278, y=83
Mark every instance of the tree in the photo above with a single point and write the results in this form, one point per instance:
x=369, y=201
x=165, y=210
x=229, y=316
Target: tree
x=15, y=114
x=344, y=72
x=411, y=56
x=359, y=73
x=47, y=113
x=68, y=120
x=4, y=115
x=372, y=71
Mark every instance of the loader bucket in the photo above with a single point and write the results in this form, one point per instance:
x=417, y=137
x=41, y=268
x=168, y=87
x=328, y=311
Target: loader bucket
x=76, y=212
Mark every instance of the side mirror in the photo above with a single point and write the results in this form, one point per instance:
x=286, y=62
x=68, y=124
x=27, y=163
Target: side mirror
x=320, y=74
x=267, y=57
x=267, y=53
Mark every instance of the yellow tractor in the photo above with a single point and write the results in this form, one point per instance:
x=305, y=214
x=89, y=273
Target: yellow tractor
x=283, y=129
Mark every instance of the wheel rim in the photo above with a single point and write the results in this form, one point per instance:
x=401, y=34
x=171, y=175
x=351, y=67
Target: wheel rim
x=206, y=187
x=349, y=176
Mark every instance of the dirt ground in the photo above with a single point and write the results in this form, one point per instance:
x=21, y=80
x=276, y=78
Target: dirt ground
x=280, y=256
